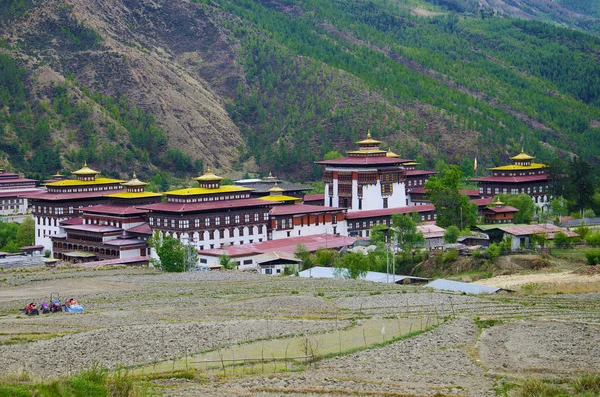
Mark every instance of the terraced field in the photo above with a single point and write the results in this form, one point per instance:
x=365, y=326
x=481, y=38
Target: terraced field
x=235, y=333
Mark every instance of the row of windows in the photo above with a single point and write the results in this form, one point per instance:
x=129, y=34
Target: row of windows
x=208, y=221
x=370, y=224
x=528, y=190
x=318, y=219
x=84, y=189
x=206, y=199
x=11, y=201
x=418, y=182
x=53, y=210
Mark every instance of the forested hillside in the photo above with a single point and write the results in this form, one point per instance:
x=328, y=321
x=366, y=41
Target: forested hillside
x=255, y=86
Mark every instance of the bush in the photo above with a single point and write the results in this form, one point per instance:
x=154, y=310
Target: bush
x=451, y=255
x=476, y=254
x=593, y=257
x=593, y=239
x=493, y=252
x=561, y=240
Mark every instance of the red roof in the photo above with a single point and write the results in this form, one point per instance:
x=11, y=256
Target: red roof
x=482, y=202
x=470, y=192
x=365, y=160
x=32, y=248
x=20, y=192
x=125, y=242
x=144, y=228
x=72, y=221
x=138, y=260
x=419, y=172
x=13, y=180
x=286, y=245
x=73, y=196
x=94, y=228
x=418, y=190
x=389, y=211
x=314, y=197
x=207, y=206
x=302, y=209
x=500, y=210
x=113, y=210
x=512, y=179
x=466, y=192
x=548, y=228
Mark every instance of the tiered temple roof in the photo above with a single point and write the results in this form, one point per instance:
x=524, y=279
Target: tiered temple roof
x=368, y=154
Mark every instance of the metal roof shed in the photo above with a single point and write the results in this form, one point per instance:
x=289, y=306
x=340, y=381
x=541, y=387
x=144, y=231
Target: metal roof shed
x=377, y=277
x=457, y=286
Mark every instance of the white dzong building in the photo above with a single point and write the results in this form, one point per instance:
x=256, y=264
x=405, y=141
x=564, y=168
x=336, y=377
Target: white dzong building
x=367, y=179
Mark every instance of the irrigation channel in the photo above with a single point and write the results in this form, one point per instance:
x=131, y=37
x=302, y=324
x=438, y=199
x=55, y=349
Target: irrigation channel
x=294, y=352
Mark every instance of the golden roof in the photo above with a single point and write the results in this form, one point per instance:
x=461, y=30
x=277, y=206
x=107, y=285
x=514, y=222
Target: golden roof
x=85, y=170
x=279, y=198
x=57, y=175
x=275, y=189
x=522, y=156
x=513, y=167
x=369, y=140
x=498, y=202
x=134, y=182
x=411, y=163
x=391, y=154
x=130, y=195
x=76, y=182
x=209, y=177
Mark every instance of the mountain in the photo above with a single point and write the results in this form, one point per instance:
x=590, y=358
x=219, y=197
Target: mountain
x=273, y=85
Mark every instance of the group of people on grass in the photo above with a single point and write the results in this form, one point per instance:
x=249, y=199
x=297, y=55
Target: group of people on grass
x=71, y=305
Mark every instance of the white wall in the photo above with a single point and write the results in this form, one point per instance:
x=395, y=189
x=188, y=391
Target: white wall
x=327, y=228
x=46, y=230
x=201, y=240
x=130, y=253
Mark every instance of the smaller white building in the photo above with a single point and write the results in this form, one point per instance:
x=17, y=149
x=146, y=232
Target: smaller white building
x=271, y=257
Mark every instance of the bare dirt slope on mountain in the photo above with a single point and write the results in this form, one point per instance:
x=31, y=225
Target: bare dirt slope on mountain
x=166, y=57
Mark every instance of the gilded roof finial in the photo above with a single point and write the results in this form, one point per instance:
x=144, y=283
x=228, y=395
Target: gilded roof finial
x=134, y=175
x=85, y=163
x=368, y=134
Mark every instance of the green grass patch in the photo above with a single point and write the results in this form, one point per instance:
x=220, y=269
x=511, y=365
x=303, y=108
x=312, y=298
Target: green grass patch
x=481, y=324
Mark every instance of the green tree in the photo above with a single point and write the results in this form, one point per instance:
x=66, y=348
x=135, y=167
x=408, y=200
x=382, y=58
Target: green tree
x=451, y=207
x=226, y=262
x=26, y=233
x=583, y=184
x=451, y=234
x=378, y=234
x=332, y=155
x=171, y=254
x=538, y=239
x=404, y=231
x=304, y=255
x=325, y=257
x=559, y=207
x=561, y=240
x=493, y=252
x=354, y=265
x=524, y=203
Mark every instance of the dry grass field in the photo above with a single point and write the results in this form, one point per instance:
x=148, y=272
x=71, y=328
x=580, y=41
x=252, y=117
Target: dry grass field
x=233, y=333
